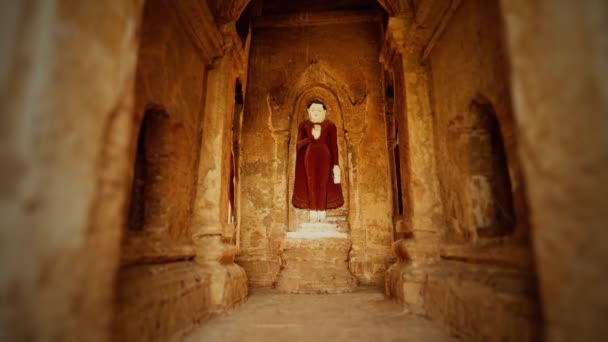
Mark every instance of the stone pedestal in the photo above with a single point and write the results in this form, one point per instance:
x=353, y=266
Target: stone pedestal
x=315, y=260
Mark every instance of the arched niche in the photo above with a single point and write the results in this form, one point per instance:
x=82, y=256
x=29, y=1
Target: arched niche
x=492, y=170
x=484, y=206
x=335, y=114
x=146, y=207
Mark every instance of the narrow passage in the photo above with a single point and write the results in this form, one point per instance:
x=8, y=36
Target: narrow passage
x=364, y=315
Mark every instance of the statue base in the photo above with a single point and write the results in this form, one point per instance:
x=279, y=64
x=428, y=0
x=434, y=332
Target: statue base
x=315, y=260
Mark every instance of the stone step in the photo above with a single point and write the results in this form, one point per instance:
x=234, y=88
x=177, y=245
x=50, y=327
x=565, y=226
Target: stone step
x=315, y=260
x=316, y=230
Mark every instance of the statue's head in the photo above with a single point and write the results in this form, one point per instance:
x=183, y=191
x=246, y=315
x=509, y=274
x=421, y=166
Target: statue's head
x=316, y=111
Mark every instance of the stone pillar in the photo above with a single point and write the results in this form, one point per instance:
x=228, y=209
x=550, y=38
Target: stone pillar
x=207, y=221
x=401, y=54
x=415, y=117
x=558, y=52
x=216, y=256
x=210, y=216
x=423, y=182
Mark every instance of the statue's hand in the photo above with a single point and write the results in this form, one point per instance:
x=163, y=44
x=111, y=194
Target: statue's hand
x=316, y=132
x=336, y=174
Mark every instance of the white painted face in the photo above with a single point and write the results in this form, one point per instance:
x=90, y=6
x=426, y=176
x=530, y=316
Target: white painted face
x=316, y=113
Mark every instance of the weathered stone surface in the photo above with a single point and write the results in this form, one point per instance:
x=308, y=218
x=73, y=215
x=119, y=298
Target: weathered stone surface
x=416, y=250
x=289, y=66
x=66, y=98
x=162, y=302
x=260, y=273
x=404, y=282
x=397, y=7
x=482, y=303
x=463, y=145
x=142, y=248
x=199, y=23
x=561, y=106
x=490, y=252
x=227, y=11
x=477, y=302
x=364, y=315
x=315, y=260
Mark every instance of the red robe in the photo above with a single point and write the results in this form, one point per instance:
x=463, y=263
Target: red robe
x=314, y=187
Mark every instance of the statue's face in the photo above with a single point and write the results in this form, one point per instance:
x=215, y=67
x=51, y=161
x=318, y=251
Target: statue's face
x=316, y=113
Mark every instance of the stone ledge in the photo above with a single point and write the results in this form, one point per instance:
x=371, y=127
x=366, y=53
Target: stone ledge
x=142, y=248
x=483, y=303
x=317, y=230
x=163, y=301
x=416, y=250
x=478, y=302
x=495, y=253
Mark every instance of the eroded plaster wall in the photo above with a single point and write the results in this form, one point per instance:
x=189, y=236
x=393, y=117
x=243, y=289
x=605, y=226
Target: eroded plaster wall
x=289, y=60
x=66, y=100
x=469, y=65
x=561, y=102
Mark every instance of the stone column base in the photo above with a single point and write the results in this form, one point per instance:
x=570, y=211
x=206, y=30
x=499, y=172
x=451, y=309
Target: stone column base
x=315, y=260
x=228, y=285
x=405, y=279
x=404, y=283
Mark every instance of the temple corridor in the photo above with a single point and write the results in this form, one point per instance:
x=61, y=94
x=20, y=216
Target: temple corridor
x=269, y=315
x=307, y=170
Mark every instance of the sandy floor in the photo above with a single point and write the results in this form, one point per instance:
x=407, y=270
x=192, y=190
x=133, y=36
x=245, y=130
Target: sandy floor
x=364, y=315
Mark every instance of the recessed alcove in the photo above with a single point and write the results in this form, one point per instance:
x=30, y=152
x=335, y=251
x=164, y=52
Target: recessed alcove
x=151, y=162
x=334, y=114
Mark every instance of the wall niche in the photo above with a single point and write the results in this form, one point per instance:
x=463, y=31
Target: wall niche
x=151, y=161
x=477, y=150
